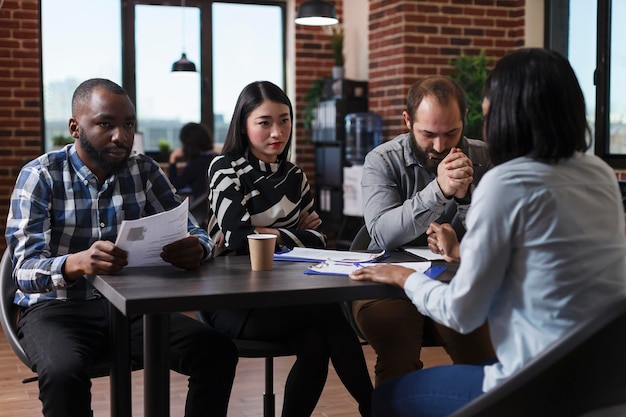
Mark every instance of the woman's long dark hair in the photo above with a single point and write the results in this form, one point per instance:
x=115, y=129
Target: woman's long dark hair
x=536, y=108
x=249, y=99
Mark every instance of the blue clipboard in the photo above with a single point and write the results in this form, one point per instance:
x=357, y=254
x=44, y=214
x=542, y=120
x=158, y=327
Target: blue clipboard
x=434, y=271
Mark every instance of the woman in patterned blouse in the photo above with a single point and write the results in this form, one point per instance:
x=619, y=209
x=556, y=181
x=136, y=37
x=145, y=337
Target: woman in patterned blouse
x=254, y=188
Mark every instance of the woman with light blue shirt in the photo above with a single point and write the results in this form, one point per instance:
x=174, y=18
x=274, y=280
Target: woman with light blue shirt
x=545, y=246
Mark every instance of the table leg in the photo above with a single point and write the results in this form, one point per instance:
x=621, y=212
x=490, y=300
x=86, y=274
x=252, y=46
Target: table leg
x=156, y=365
x=120, y=377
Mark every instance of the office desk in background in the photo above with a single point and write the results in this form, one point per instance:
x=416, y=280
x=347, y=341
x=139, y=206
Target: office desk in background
x=224, y=282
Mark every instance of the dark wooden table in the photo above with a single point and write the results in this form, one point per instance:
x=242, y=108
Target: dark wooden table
x=224, y=282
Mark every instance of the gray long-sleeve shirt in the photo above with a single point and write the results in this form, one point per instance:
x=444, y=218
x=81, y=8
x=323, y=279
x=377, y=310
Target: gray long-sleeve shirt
x=401, y=198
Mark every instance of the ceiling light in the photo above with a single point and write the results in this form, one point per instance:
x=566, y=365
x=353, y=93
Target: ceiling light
x=317, y=13
x=183, y=64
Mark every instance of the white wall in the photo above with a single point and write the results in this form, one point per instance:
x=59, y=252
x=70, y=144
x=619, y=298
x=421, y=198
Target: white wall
x=356, y=42
x=534, y=29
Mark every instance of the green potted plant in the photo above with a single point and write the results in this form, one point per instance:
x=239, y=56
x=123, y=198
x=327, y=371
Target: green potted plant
x=164, y=150
x=336, y=45
x=471, y=71
x=311, y=100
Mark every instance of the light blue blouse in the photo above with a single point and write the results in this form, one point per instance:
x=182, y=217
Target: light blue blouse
x=545, y=248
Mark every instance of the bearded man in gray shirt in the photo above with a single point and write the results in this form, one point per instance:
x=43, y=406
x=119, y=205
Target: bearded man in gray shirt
x=419, y=177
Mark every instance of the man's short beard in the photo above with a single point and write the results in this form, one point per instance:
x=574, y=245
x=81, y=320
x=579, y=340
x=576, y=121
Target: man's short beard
x=97, y=155
x=422, y=156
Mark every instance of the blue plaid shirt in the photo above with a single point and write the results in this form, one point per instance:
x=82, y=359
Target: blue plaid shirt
x=58, y=208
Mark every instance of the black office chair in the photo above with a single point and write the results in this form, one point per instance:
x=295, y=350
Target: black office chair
x=10, y=311
x=582, y=374
x=259, y=349
x=199, y=209
x=622, y=188
x=361, y=241
x=9, y=316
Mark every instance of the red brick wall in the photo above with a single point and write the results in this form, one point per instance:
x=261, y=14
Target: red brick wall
x=20, y=95
x=313, y=60
x=412, y=39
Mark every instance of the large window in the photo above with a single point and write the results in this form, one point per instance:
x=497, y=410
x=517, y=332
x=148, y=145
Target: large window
x=231, y=43
x=617, y=105
x=244, y=51
x=582, y=38
x=166, y=100
x=137, y=47
x=75, y=47
x=590, y=34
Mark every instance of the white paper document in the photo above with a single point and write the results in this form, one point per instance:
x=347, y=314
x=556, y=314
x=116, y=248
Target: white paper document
x=317, y=255
x=144, y=238
x=423, y=253
x=344, y=268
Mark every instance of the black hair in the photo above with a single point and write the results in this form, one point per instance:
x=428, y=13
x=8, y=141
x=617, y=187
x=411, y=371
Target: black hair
x=83, y=92
x=251, y=97
x=536, y=108
x=196, y=139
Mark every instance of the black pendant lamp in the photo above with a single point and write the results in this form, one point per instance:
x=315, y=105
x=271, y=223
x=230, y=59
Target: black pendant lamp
x=317, y=13
x=183, y=64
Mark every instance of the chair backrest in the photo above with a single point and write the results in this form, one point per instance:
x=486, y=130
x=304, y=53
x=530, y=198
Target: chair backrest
x=360, y=242
x=199, y=209
x=581, y=373
x=362, y=239
x=10, y=311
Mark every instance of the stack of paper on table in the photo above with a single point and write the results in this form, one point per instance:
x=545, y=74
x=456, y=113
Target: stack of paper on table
x=320, y=255
x=346, y=268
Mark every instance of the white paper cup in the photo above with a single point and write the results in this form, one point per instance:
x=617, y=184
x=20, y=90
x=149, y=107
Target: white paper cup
x=261, y=251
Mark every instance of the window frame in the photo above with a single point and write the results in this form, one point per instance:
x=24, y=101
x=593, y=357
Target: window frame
x=557, y=30
x=206, y=46
x=127, y=47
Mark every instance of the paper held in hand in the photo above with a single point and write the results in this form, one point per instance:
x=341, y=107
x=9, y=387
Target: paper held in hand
x=144, y=238
x=320, y=255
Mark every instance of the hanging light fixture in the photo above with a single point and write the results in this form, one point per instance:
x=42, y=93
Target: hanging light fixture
x=317, y=13
x=183, y=64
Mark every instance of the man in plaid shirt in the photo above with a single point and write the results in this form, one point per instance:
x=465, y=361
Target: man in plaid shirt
x=65, y=212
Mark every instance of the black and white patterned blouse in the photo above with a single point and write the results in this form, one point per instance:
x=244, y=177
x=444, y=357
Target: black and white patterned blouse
x=245, y=193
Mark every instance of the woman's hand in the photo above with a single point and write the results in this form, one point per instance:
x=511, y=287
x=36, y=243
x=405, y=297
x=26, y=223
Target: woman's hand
x=176, y=155
x=270, y=231
x=383, y=273
x=220, y=243
x=442, y=240
x=309, y=221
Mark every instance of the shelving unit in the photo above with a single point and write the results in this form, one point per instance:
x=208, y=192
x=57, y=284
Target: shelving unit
x=329, y=136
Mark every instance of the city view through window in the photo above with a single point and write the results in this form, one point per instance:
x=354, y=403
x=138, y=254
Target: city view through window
x=243, y=51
